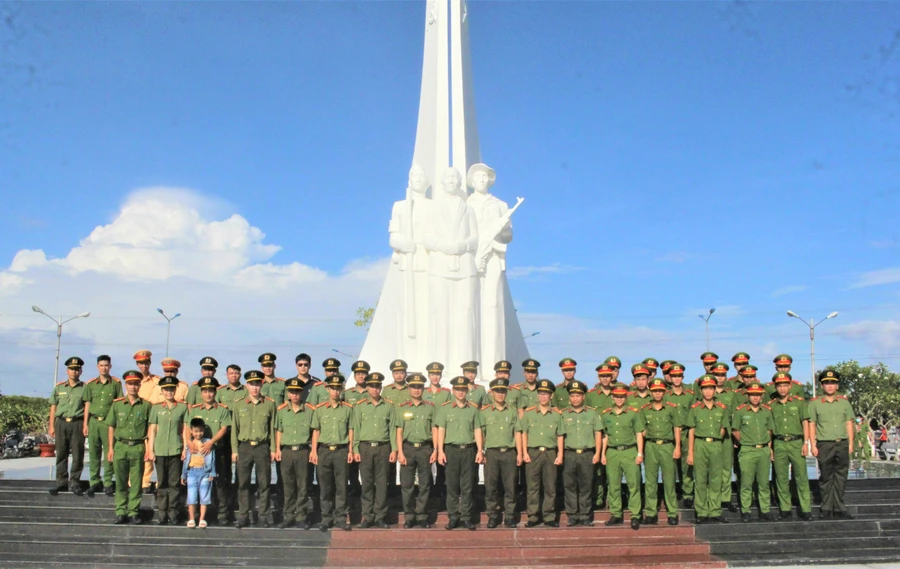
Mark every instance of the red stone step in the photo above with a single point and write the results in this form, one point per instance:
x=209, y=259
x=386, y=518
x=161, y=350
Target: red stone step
x=600, y=516
x=575, y=562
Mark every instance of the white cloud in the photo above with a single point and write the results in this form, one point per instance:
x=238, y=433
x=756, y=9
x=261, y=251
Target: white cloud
x=555, y=268
x=875, y=278
x=881, y=335
x=789, y=290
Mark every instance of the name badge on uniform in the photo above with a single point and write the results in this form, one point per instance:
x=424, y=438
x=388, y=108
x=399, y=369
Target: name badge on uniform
x=408, y=416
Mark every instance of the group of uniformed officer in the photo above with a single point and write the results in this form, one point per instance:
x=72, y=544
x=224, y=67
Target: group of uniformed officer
x=535, y=435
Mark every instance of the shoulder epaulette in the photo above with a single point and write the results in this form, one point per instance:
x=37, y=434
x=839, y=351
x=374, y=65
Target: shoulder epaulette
x=195, y=405
x=361, y=401
x=691, y=391
x=445, y=389
x=445, y=403
x=318, y=383
x=697, y=404
x=92, y=381
x=589, y=407
x=222, y=387
x=635, y=409
x=62, y=382
x=644, y=406
x=516, y=386
x=606, y=410
x=282, y=406
x=196, y=382
x=741, y=406
x=346, y=404
x=406, y=403
x=310, y=405
x=532, y=408
x=842, y=397
x=766, y=407
x=475, y=405
x=722, y=405
x=486, y=407
x=556, y=409
x=795, y=382
x=669, y=403
x=222, y=405
x=269, y=399
x=322, y=404
x=119, y=399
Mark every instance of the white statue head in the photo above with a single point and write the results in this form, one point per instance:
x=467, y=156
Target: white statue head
x=418, y=179
x=451, y=182
x=480, y=178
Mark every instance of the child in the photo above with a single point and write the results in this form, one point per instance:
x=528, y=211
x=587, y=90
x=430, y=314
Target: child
x=198, y=473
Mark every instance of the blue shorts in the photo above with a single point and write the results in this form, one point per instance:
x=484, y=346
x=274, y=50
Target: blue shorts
x=199, y=488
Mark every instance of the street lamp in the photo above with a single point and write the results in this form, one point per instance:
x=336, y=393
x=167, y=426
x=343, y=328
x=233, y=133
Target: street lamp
x=168, y=326
x=812, y=342
x=59, y=324
x=706, y=318
x=531, y=335
x=342, y=353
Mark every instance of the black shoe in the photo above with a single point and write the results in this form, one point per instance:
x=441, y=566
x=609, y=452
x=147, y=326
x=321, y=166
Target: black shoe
x=409, y=524
x=826, y=515
x=90, y=491
x=720, y=519
x=77, y=490
x=587, y=522
x=381, y=524
x=286, y=524
x=701, y=521
x=767, y=517
x=572, y=522
x=635, y=523
x=323, y=527
x=673, y=520
x=343, y=525
x=241, y=524
x=161, y=521
x=149, y=490
x=731, y=506
x=510, y=523
x=469, y=525
x=614, y=521
x=109, y=491
x=745, y=518
x=303, y=525
x=267, y=523
x=136, y=520
x=651, y=520
x=552, y=524
x=365, y=524
x=531, y=524
x=493, y=522
x=424, y=524
x=55, y=490
x=805, y=516
x=784, y=515
x=121, y=520
x=688, y=503
x=845, y=515
x=452, y=524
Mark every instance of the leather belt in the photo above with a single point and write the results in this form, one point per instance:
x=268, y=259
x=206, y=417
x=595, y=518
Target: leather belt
x=98, y=417
x=501, y=449
x=294, y=447
x=256, y=443
x=660, y=441
x=580, y=450
x=755, y=446
x=541, y=449
x=711, y=439
x=131, y=443
x=463, y=447
x=787, y=438
x=70, y=419
x=621, y=447
x=333, y=447
x=373, y=443
x=418, y=445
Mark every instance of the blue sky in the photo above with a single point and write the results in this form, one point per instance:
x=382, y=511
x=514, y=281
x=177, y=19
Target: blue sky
x=674, y=156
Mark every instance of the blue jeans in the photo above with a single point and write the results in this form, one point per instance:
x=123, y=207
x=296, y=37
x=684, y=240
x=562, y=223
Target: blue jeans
x=199, y=488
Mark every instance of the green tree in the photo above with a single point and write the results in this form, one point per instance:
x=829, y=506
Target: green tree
x=364, y=317
x=30, y=414
x=873, y=391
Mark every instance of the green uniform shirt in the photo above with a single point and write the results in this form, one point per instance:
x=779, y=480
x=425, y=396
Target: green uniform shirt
x=598, y=399
x=512, y=398
x=253, y=422
x=101, y=395
x=295, y=426
x=318, y=394
x=438, y=397
x=637, y=400
x=274, y=390
x=169, y=421
x=797, y=389
x=728, y=398
x=499, y=425
x=709, y=422
x=622, y=428
x=830, y=418
x=215, y=416
x=351, y=395
x=129, y=420
x=755, y=426
x=560, y=398
x=69, y=399
x=684, y=400
x=193, y=396
x=416, y=421
x=478, y=396
x=333, y=422
x=789, y=416
x=660, y=423
x=374, y=423
x=395, y=394
x=579, y=427
x=228, y=396
x=459, y=423
x=542, y=429
x=527, y=395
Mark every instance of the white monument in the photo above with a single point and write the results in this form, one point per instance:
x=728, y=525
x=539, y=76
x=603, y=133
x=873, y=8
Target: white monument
x=446, y=297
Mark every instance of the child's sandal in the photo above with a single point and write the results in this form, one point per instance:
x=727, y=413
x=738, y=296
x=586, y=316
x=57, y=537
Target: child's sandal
x=191, y=524
x=202, y=524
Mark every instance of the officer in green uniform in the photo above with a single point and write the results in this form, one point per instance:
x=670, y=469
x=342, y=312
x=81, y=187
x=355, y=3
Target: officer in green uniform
x=217, y=423
x=476, y=394
x=639, y=394
x=729, y=398
x=616, y=364
x=374, y=448
x=272, y=387
x=528, y=395
x=253, y=447
x=436, y=394
x=568, y=367
x=790, y=440
x=783, y=364
x=662, y=445
x=67, y=425
x=166, y=445
x=332, y=451
x=98, y=395
x=233, y=391
x=600, y=399
x=652, y=366
x=863, y=451
x=582, y=428
x=684, y=398
x=664, y=368
x=502, y=370
x=709, y=423
x=740, y=360
x=502, y=455
x=708, y=359
x=293, y=426
x=831, y=438
x=127, y=425
x=623, y=453
x=208, y=367
x=415, y=440
x=752, y=425
x=397, y=392
x=745, y=378
x=315, y=391
x=358, y=392
x=542, y=451
x=460, y=448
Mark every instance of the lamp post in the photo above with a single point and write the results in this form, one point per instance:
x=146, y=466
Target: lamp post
x=168, y=326
x=706, y=318
x=335, y=350
x=532, y=335
x=59, y=324
x=812, y=342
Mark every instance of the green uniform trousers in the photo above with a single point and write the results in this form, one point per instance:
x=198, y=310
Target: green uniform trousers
x=540, y=474
x=622, y=463
x=331, y=474
x=460, y=465
x=658, y=459
x=294, y=470
x=728, y=452
x=754, y=464
x=98, y=450
x=250, y=456
x=789, y=459
x=686, y=470
x=417, y=464
x=834, y=464
x=168, y=475
x=128, y=463
x=578, y=478
x=500, y=473
x=708, y=478
x=373, y=473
